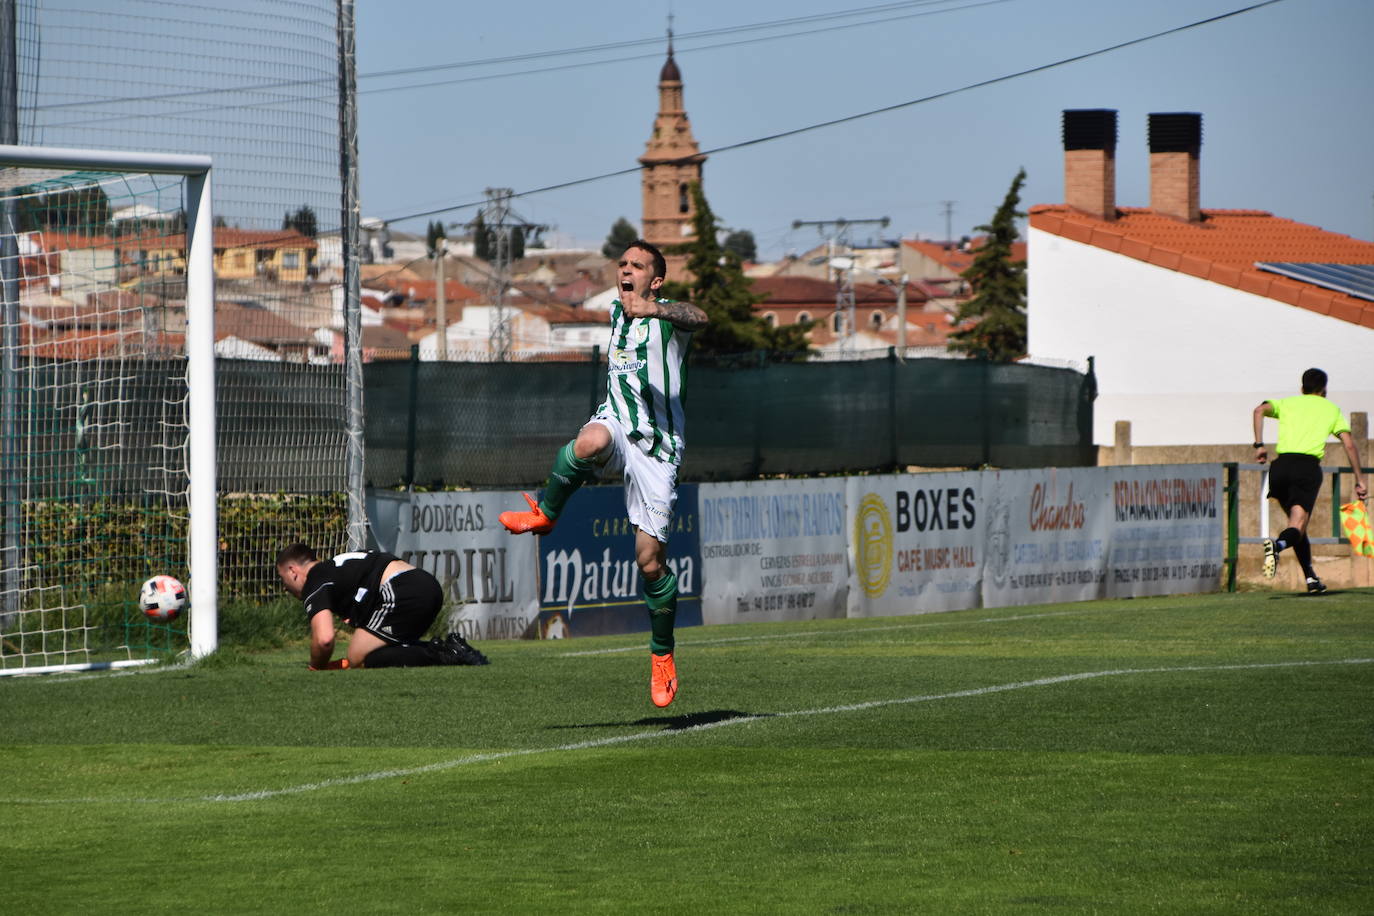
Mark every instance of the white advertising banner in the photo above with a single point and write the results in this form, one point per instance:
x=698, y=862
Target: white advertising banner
x=488, y=575
x=773, y=550
x=1168, y=523
x=1047, y=535
x=1075, y=534
x=916, y=543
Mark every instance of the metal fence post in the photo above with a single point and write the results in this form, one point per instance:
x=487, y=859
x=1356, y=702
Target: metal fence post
x=1336, y=503
x=892, y=407
x=1232, y=523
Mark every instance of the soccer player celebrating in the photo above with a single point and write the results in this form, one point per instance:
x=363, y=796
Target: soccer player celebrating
x=637, y=430
x=389, y=603
x=1305, y=422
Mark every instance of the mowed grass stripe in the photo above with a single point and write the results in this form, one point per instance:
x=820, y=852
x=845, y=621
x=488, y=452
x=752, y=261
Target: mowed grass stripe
x=572, y=747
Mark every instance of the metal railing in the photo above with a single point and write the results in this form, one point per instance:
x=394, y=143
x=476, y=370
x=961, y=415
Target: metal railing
x=1233, y=501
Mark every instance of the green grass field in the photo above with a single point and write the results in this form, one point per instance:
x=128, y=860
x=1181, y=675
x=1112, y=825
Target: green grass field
x=1206, y=754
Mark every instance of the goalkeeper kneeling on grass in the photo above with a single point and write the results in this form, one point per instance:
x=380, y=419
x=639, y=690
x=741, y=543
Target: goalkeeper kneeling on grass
x=389, y=603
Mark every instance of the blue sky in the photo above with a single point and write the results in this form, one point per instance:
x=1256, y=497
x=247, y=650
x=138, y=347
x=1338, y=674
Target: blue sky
x=1285, y=91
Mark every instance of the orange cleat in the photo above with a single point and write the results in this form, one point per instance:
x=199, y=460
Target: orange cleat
x=662, y=679
x=533, y=521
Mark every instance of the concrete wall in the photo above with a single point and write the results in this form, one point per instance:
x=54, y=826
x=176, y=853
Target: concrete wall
x=1184, y=360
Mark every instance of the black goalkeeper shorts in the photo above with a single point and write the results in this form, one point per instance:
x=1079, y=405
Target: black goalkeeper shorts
x=1295, y=480
x=407, y=606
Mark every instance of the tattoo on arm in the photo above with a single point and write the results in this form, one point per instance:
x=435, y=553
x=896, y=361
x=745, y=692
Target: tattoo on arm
x=683, y=315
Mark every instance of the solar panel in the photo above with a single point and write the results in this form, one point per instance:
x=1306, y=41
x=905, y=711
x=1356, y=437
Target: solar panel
x=1351, y=279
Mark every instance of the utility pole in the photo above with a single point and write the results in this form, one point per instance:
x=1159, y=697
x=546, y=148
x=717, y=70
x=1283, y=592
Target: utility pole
x=836, y=232
x=498, y=217
x=440, y=300
x=947, y=207
x=901, y=316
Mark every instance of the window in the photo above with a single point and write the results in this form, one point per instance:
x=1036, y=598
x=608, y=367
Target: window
x=684, y=200
x=837, y=322
x=876, y=319
x=770, y=319
x=291, y=260
x=803, y=317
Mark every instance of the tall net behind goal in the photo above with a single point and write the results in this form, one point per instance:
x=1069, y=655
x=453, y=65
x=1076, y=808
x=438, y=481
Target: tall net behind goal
x=95, y=421
x=255, y=85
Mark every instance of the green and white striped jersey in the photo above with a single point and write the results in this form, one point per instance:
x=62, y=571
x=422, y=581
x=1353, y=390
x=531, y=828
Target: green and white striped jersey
x=647, y=364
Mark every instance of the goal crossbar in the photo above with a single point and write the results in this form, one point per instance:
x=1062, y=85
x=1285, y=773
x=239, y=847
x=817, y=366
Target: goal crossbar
x=202, y=559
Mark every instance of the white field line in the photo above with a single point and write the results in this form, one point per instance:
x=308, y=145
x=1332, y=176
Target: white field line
x=440, y=766
x=853, y=631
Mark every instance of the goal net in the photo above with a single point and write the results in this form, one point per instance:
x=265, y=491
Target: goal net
x=107, y=415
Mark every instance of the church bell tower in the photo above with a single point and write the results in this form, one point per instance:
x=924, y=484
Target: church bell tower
x=672, y=162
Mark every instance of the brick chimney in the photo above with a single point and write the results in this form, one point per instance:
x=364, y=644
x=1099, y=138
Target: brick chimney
x=1090, y=161
x=1175, y=141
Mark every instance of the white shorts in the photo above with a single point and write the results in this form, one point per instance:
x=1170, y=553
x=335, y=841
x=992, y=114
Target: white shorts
x=650, y=484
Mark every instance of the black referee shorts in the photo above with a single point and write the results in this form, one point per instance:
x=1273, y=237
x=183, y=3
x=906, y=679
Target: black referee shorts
x=407, y=606
x=1295, y=480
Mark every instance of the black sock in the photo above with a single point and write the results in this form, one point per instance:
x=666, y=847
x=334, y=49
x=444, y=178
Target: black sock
x=1288, y=537
x=1302, y=547
x=416, y=655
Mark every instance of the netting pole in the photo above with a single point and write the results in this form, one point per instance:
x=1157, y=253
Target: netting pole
x=200, y=394
x=9, y=317
x=353, y=326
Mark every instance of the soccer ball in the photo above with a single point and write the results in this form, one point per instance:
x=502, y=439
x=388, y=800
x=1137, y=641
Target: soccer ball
x=162, y=598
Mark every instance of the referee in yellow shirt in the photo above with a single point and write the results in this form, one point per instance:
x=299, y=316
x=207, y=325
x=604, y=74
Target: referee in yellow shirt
x=1305, y=422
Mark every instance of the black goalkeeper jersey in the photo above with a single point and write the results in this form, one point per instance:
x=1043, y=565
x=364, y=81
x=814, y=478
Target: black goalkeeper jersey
x=348, y=584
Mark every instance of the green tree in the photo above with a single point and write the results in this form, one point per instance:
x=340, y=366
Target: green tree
x=621, y=235
x=998, y=281
x=742, y=243
x=433, y=233
x=82, y=210
x=720, y=288
x=303, y=221
x=482, y=241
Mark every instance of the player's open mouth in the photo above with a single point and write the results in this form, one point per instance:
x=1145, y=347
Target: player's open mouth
x=626, y=285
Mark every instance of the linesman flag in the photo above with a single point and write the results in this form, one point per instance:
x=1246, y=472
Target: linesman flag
x=1355, y=521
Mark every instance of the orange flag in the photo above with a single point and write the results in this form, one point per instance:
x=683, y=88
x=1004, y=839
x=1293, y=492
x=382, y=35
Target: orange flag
x=1355, y=521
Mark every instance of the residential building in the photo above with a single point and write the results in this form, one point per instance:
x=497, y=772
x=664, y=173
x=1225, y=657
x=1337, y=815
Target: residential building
x=1189, y=312
x=795, y=300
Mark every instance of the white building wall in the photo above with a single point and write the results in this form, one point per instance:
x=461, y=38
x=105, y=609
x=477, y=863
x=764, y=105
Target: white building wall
x=1184, y=359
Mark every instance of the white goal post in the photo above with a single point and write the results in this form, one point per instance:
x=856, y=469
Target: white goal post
x=200, y=439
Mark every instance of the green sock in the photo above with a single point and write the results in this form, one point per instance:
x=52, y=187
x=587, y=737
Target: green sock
x=568, y=473
x=661, y=597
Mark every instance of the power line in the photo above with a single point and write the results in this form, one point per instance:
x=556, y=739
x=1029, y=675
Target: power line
x=565, y=52
x=620, y=59
x=875, y=111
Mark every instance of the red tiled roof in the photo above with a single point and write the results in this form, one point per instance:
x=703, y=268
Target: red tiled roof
x=955, y=259
x=224, y=237
x=578, y=290
x=566, y=314
x=424, y=290
x=1223, y=247
x=256, y=325
x=82, y=345
x=813, y=291
x=384, y=337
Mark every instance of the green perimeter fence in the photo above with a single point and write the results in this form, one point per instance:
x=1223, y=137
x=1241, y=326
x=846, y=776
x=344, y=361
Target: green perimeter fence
x=471, y=424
